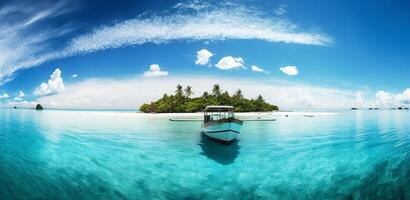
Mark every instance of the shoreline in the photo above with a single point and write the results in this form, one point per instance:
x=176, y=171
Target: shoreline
x=198, y=115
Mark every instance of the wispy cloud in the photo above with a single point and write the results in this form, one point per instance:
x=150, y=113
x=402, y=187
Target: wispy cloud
x=22, y=43
x=258, y=69
x=281, y=10
x=229, y=22
x=217, y=22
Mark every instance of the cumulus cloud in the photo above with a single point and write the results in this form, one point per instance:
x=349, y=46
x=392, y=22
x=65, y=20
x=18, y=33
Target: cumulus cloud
x=19, y=96
x=403, y=98
x=126, y=93
x=4, y=96
x=74, y=76
x=229, y=62
x=290, y=70
x=203, y=56
x=155, y=70
x=258, y=69
x=385, y=99
x=224, y=20
x=54, y=85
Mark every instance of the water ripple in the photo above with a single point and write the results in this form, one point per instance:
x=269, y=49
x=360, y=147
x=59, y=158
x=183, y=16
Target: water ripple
x=68, y=155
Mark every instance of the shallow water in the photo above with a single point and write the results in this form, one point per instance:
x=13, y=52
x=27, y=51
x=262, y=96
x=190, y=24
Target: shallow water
x=86, y=155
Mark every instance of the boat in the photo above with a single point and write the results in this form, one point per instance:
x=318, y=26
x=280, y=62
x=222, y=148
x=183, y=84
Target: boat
x=220, y=123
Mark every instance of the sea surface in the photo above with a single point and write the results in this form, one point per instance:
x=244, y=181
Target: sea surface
x=57, y=154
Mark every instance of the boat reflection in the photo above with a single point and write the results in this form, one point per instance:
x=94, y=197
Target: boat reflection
x=219, y=152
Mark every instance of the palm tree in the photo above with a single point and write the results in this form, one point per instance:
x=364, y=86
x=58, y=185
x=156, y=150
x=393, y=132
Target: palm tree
x=216, y=90
x=178, y=92
x=260, y=99
x=188, y=91
x=205, y=95
x=225, y=98
x=259, y=103
x=238, y=94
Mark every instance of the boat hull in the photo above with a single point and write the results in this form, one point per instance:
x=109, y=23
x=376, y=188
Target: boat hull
x=223, y=130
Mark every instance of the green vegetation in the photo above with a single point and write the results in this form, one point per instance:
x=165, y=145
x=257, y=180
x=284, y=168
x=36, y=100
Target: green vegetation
x=39, y=107
x=182, y=102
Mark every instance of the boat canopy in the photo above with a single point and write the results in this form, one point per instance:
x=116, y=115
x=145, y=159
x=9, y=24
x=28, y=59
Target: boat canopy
x=219, y=109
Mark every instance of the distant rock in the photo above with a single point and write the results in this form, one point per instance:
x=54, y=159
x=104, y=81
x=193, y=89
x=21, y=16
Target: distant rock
x=15, y=107
x=354, y=109
x=39, y=107
x=399, y=108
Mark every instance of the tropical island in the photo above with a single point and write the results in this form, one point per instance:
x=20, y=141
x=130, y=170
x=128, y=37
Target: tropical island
x=181, y=102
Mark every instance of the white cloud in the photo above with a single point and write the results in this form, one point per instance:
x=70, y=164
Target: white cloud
x=4, y=96
x=385, y=99
x=195, y=5
x=403, y=98
x=132, y=92
x=18, y=26
x=20, y=96
x=55, y=85
x=258, y=69
x=74, y=76
x=229, y=62
x=39, y=16
x=155, y=70
x=290, y=70
x=359, y=100
x=217, y=22
x=281, y=10
x=19, y=104
x=203, y=56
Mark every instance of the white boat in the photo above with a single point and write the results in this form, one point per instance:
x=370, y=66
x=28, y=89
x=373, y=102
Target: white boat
x=220, y=123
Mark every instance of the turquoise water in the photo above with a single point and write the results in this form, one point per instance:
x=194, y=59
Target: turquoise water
x=89, y=155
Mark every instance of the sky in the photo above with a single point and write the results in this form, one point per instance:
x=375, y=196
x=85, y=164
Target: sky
x=121, y=54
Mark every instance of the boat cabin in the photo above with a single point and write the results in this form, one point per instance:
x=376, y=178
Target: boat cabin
x=213, y=113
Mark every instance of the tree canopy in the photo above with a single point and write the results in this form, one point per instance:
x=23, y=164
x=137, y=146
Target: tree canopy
x=182, y=102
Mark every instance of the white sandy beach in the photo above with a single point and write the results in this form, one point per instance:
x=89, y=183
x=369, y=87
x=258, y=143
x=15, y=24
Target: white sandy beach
x=199, y=115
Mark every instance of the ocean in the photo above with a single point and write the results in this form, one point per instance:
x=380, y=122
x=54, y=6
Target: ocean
x=71, y=154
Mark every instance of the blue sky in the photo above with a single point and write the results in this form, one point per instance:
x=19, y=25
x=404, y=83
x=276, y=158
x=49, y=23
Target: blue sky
x=333, y=54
